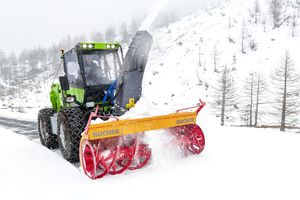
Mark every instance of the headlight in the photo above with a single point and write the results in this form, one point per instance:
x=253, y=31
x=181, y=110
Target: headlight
x=90, y=104
x=108, y=46
x=70, y=99
x=113, y=46
x=84, y=46
x=90, y=46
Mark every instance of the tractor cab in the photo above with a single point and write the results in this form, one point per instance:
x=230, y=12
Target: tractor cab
x=93, y=64
x=91, y=69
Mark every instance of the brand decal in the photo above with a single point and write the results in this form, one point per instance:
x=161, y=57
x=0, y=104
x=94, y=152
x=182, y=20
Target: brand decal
x=106, y=133
x=185, y=121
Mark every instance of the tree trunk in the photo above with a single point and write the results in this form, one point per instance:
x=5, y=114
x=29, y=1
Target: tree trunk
x=257, y=101
x=223, y=99
x=251, y=101
x=283, y=111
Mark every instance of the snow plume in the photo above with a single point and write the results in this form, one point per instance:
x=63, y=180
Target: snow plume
x=154, y=12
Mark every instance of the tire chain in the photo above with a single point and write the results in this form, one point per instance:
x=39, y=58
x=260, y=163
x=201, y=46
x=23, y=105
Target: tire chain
x=76, y=123
x=51, y=141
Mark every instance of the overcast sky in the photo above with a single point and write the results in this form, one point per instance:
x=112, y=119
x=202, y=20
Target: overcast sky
x=31, y=23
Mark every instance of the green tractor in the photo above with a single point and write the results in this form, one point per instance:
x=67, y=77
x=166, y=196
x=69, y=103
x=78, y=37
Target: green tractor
x=95, y=74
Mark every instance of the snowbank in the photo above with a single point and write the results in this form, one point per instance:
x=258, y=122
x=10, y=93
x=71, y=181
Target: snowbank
x=237, y=163
x=30, y=171
x=29, y=115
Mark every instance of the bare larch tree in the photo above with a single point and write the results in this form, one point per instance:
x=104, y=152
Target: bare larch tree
x=247, y=111
x=285, y=81
x=243, y=37
x=215, y=58
x=254, y=89
x=225, y=96
x=260, y=87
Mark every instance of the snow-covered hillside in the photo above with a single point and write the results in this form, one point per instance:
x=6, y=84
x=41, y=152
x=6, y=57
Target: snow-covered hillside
x=173, y=76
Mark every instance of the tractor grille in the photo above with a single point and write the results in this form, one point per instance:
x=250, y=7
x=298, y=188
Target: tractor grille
x=94, y=96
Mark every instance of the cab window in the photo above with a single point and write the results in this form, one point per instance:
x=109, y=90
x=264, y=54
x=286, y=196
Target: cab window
x=73, y=69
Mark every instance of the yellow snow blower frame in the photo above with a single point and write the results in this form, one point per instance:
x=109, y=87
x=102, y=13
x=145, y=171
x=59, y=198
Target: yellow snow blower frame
x=120, y=127
x=103, y=150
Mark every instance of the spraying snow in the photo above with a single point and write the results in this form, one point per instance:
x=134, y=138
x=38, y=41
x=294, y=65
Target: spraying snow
x=152, y=15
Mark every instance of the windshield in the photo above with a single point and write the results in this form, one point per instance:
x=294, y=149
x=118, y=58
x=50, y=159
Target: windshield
x=101, y=67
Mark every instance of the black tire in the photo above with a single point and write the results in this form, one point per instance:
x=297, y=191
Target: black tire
x=70, y=125
x=47, y=138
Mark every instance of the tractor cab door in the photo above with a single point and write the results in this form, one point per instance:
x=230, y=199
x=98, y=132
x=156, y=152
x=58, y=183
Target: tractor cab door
x=72, y=69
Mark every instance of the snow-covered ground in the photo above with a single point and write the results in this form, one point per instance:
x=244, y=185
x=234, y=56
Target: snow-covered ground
x=237, y=163
x=29, y=115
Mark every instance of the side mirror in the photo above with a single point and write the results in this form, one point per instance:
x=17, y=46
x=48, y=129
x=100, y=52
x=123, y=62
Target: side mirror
x=64, y=83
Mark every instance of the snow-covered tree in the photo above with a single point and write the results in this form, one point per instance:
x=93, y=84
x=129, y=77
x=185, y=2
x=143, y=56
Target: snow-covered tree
x=276, y=12
x=256, y=10
x=243, y=37
x=124, y=32
x=97, y=36
x=2, y=59
x=264, y=22
x=12, y=59
x=200, y=52
x=76, y=40
x=294, y=24
x=110, y=34
x=298, y=7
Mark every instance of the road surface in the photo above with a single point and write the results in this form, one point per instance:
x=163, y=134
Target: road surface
x=26, y=128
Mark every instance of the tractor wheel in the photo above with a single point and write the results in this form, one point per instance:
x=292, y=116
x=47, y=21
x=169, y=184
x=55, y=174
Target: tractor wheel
x=70, y=125
x=47, y=138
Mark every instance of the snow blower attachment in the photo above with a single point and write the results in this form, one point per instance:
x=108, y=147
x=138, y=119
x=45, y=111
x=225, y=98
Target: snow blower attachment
x=112, y=146
x=98, y=83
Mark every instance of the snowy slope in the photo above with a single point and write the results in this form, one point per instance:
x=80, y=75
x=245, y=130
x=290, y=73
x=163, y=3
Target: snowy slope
x=238, y=163
x=173, y=77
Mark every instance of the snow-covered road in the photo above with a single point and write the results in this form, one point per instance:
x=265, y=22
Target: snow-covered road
x=22, y=127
